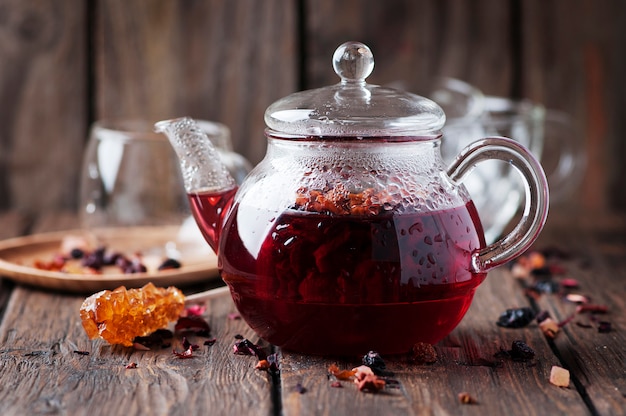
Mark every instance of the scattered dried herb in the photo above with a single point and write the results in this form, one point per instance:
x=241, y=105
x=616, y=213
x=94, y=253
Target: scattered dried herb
x=81, y=352
x=246, y=347
x=516, y=318
x=300, y=388
x=195, y=324
x=210, y=342
x=239, y=336
x=188, y=353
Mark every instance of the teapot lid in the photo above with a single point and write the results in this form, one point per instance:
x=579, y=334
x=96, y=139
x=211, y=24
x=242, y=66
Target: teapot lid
x=353, y=107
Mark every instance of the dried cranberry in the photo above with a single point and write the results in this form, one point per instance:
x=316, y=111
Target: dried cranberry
x=170, y=264
x=520, y=351
x=77, y=253
x=94, y=260
x=374, y=361
x=516, y=318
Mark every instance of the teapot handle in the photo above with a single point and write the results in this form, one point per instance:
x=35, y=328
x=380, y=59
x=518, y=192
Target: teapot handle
x=536, y=201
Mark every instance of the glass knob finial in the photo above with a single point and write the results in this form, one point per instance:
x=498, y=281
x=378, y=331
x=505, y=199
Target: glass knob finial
x=353, y=62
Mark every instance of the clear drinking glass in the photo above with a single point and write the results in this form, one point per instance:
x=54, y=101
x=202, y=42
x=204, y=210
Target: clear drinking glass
x=132, y=185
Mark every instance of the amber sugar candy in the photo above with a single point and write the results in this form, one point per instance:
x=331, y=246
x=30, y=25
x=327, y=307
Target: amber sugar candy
x=121, y=315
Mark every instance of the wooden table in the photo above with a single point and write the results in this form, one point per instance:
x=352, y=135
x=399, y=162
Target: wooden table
x=40, y=372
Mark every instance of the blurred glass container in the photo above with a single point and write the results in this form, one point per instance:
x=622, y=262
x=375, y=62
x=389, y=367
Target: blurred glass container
x=131, y=178
x=549, y=135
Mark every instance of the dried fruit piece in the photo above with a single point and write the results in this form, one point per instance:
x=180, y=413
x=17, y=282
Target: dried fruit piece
x=549, y=327
x=374, y=361
x=424, y=353
x=120, y=315
x=516, y=318
x=466, y=398
x=520, y=351
x=559, y=376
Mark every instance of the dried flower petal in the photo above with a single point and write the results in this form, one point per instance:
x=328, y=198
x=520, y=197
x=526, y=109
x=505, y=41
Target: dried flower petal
x=340, y=374
x=194, y=323
x=559, y=376
x=592, y=308
x=371, y=383
x=210, y=342
x=188, y=353
x=131, y=365
x=262, y=365
x=195, y=310
x=246, y=347
x=576, y=298
x=234, y=316
x=361, y=371
x=336, y=384
x=569, y=283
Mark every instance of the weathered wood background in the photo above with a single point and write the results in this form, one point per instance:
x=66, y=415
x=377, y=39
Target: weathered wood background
x=66, y=63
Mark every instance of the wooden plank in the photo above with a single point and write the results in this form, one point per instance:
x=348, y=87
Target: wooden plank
x=596, y=360
x=221, y=61
x=466, y=363
x=572, y=62
x=41, y=373
x=413, y=42
x=44, y=102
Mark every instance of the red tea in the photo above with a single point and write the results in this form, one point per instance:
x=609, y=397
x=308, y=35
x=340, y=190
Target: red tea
x=343, y=284
x=209, y=209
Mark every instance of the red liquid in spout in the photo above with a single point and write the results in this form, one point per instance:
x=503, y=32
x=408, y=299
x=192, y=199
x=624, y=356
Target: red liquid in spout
x=332, y=284
x=209, y=209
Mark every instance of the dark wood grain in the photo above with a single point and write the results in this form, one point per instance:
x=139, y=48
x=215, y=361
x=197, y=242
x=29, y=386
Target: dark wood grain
x=221, y=61
x=596, y=360
x=62, y=66
x=43, y=103
x=467, y=363
x=42, y=373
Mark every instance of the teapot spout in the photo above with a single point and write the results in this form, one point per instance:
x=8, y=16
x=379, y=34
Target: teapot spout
x=209, y=186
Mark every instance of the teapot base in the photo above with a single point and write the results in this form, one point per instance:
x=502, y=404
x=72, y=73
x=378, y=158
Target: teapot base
x=350, y=329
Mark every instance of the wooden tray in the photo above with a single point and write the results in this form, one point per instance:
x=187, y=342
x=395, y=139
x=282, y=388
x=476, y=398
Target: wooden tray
x=18, y=256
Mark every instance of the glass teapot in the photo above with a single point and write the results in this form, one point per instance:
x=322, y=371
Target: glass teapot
x=351, y=234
